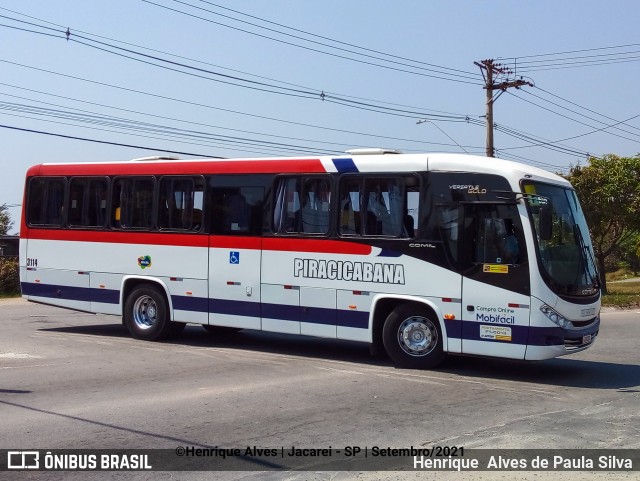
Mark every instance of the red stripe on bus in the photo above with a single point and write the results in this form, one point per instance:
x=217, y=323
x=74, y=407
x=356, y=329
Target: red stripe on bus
x=235, y=242
x=320, y=246
x=183, y=167
x=116, y=237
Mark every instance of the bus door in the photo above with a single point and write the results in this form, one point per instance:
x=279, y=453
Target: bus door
x=298, y=296
x=495, y=281
x=235, y=256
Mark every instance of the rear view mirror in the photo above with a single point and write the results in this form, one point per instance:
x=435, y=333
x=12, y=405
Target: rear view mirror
x=546, y=222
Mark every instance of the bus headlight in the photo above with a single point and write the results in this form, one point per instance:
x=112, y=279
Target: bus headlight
x=555, y=317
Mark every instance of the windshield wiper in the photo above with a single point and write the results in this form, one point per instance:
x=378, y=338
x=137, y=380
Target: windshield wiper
x=594, y=280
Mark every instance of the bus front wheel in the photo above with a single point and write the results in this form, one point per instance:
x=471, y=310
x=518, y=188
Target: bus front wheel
x=412, y=338
x=146, y=315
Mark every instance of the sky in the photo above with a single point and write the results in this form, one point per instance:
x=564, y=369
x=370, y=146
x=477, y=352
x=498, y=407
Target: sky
x=264, y=78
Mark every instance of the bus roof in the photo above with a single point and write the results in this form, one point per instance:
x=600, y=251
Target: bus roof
x=374, y=162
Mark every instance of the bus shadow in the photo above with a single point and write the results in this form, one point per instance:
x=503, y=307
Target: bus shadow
x=563, y=371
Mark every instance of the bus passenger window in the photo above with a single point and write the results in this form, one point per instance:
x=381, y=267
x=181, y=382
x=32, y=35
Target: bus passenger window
x=315, y=206
x=46, y=201
x=302, y=205
x=385, y=208
x=87, y=202
x=133, y=199
x=379, y=206
x=236, y=210
x=350, y=207
x=181, y=201
x=236, y=213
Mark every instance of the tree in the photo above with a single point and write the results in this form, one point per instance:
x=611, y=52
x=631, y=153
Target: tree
x=609, y=191
x=5, y=220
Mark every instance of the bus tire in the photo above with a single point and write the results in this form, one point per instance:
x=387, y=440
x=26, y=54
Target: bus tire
x=220, y=330
x=146, y=315
x=412, y=338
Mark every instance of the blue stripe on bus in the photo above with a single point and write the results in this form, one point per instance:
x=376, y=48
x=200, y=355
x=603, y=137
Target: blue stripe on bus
x=313, y=315
x=188, y=303
x=233, y=308
x=357, y=319
x=345, y=165
x=469, y=330
x=389, y=253
x=85, y=294
x=281, y=312
x=524, y=335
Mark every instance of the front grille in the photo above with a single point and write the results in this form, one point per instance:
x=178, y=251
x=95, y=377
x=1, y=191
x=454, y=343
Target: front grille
x=580, y=324
x=574, y=343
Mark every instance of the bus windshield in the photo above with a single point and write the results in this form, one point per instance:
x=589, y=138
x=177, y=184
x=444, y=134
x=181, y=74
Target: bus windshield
x=566, y=258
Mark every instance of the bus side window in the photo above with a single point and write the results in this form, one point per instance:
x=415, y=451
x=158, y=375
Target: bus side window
x=237, y=210
x=180, y=204
x=132, y=203
x=350, y=222
x=46, y=201
x=379, y=206
x=87, y=202
x=236, y=213
x=315, y=206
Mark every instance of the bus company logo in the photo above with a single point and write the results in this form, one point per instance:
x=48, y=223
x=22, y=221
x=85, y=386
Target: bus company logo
x=144, y=262
x=471, y=189
x=23, y=460
x=349, y=271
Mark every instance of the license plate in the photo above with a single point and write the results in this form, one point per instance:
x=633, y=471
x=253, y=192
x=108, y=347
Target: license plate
x=587, y=339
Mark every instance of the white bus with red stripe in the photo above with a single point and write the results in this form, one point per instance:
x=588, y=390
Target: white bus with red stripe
x=417, y=254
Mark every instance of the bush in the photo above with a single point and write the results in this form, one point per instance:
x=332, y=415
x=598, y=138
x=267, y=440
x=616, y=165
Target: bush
x=9, y=276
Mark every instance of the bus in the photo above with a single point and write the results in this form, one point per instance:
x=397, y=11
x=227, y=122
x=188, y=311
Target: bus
x=418, y=255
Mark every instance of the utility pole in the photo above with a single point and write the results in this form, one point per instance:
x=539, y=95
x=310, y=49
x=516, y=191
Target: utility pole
x=490, y=69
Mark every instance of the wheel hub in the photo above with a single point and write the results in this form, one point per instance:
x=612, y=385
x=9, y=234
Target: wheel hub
x=417, y=336
x=145, y=312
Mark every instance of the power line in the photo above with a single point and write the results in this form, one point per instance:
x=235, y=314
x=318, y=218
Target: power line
x=582, y=107
x=138, y=126
x=197, y=104
x=459, y=80
x=327, y=38
x=468, y=75
x=233, y=80
x=586, y=116
x=105, y=142
x=567, y=65
x=538, y=142
x=190, y=122
x=199, y=61
x=573, y=51
x=566, y=59
x=529, y=160
x=574, y=120
x=363, y=105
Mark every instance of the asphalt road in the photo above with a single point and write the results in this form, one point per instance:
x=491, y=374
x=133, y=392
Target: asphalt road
x=74, y=380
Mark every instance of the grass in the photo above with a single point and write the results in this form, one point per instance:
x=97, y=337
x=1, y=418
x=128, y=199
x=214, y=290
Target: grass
x=621, y=274
x=5, y=295
x=622, y=294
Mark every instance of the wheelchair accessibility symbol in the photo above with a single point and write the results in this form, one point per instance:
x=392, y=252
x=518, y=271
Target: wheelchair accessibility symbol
x=234, y=257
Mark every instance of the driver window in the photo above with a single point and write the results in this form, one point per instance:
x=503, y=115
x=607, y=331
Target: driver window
x=496, y=234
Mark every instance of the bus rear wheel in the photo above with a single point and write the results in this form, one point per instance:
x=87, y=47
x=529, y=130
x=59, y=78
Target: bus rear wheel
x=146, y=315
x=412, y=338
